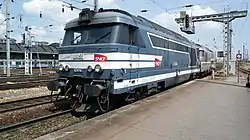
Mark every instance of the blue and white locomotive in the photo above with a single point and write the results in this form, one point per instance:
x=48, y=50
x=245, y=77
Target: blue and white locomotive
x=111, y=56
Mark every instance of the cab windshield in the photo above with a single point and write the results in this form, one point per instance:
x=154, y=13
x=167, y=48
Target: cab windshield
x=102, y=33
x=88, y=35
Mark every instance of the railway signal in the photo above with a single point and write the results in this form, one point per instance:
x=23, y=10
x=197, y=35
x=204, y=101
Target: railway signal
x=187, y=21
x=238, y=58
x=225, y=18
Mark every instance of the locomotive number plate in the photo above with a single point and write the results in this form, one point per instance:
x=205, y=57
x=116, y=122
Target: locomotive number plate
x=78, y=70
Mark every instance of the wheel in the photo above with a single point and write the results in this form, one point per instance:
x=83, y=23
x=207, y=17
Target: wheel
x=103, y=101
x=77, y=100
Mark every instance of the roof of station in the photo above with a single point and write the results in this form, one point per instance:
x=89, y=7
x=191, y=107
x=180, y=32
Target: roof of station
x=18, y=48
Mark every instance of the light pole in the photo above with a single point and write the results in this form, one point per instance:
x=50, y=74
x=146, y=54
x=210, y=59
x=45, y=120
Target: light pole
x=96, y=5
x=54, y=59
x=8, y=36
x=60, y=42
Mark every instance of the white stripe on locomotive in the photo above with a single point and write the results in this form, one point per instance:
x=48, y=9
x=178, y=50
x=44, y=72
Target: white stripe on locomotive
x=143, y=80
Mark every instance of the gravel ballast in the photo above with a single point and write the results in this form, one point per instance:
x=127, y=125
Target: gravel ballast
x=18, y=94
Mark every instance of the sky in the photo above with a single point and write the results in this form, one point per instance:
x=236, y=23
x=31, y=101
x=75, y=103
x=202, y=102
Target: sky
x=51, y=26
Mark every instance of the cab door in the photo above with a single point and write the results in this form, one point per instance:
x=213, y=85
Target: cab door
x=134, y=56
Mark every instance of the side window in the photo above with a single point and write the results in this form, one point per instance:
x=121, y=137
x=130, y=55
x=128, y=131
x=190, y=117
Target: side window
x=171, y=45
x=132, y=35
x=166, y=44
x=198, y=54
x=184, y=48
x=154, y=40
x=158, y=42
x=161, y=43
x=193, y=57
x=139, y=39
x=135, y=37
x=121, y=33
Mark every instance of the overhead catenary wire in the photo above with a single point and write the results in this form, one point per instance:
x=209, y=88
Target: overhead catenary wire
x=1, y=23
x=245, y=21
x=83, y=2
x=184, y=6
x=21, y=18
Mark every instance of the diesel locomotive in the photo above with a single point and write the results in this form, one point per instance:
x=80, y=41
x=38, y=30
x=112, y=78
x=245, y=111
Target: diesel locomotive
x=110, y=56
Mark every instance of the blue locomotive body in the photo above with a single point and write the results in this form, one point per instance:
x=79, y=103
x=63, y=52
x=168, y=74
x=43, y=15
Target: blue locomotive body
x=114, y=53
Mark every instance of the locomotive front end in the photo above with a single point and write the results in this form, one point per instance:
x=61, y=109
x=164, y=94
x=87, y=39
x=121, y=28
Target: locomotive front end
x=85, y=76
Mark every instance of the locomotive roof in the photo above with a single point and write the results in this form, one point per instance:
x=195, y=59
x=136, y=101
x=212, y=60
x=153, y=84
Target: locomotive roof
x=204, y=48
x=120, y=16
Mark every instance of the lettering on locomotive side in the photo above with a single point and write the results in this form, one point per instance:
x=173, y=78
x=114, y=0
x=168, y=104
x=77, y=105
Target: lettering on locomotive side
x=78, y=57
x=100, y=58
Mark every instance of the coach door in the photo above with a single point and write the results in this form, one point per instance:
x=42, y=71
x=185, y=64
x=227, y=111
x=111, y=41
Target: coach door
x=134, y=56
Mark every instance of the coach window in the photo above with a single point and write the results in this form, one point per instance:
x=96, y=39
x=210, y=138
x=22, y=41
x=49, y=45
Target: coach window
x=202, y=53
x=198, y=54
x=193, y=57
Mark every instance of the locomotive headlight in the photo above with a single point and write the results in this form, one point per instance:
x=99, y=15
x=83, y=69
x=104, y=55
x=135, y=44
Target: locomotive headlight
x=98, y=68
x=61, y=67
x=89, y=69
x=66, y=68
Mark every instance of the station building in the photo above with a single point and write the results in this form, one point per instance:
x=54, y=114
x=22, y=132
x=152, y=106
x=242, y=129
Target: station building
x=41, y=52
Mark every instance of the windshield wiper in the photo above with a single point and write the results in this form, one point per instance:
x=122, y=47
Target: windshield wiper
x=100, y=38
x=75, y=39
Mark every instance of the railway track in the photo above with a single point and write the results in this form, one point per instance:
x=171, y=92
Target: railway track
x=38, y=124
x=244, y=70
x=20, y=85
x=25, y=103
x=25, y=81
x=21, y=71
x=23, y=78
x=29, y=103
x=33, y=121
x=19, y=82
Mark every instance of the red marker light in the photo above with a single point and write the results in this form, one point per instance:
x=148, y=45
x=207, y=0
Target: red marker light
x=157, y=62
x=100, y=58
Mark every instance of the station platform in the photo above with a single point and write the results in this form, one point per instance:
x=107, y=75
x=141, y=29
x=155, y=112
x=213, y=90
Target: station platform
x=197, y=110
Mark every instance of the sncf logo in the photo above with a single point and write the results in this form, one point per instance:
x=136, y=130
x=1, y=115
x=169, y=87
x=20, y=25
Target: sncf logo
x=100, y=58
x=157, y=62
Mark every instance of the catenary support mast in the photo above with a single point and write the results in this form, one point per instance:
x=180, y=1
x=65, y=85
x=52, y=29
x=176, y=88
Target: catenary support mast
x=8, y=36
x=187, y=25
x=96, y=2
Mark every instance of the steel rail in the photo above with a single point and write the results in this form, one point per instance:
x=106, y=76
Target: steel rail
x=244, y=70
x=20, y=85
x=29, y=122
x=18, y=107
x=27, y=78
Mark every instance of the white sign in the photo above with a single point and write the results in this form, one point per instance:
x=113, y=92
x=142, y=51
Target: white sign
x=238, y=56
